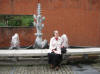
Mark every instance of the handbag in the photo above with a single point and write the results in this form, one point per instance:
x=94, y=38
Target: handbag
x=63, y=50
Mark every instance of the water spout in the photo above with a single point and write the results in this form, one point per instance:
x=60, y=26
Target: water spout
x=15, y=43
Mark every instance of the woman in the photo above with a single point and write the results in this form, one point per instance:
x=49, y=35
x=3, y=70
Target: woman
x=54, y=54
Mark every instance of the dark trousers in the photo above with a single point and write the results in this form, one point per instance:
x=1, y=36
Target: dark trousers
x=54, y=59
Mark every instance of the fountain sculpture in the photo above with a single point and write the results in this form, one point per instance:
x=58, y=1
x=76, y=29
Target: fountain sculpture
x=65, y=40
x=15, y=43
x=39, y=43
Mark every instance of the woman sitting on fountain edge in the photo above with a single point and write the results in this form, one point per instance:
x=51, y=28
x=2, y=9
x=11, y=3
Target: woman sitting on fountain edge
x=54, y=55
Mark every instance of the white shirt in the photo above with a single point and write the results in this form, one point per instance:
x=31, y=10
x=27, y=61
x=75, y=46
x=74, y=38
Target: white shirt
x=55, y=44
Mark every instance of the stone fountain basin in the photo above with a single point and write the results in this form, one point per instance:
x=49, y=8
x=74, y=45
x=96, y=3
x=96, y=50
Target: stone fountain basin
x=44, y=52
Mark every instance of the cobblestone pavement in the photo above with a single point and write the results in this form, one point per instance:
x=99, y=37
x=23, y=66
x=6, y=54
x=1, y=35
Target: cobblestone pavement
x=36, y=69
x=45, y=69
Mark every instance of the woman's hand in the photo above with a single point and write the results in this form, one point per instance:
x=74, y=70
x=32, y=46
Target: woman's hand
x=53, y=50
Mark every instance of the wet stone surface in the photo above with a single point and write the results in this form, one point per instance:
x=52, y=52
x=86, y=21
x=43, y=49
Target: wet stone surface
x=85, y=69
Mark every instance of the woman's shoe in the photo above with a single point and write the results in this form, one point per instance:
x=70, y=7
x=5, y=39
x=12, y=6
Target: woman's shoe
x=51, y=66
x=57, y=68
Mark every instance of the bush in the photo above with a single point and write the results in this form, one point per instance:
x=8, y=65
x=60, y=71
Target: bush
x=25, y=20
x=2, y=24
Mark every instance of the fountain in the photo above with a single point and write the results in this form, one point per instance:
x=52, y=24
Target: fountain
x=39, y=43
x=15, y=42
x=65, y=40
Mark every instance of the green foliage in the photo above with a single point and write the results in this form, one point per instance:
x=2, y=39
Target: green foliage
x=2, y=24
x=25, y=20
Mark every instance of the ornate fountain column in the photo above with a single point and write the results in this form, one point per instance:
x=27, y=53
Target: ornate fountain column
x=38, y=19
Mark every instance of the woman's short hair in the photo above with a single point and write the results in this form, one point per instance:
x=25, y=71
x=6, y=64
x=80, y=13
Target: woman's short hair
x=55, y=31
